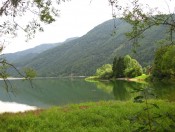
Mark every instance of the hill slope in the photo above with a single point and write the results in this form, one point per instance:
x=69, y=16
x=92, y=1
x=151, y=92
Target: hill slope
x=82, y=56
x=29, y=53
x=26, y=55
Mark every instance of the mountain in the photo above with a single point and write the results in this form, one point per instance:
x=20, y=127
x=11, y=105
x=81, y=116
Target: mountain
x=82, y=56
x=29, y=53
x=70, y=39
x=21, y=56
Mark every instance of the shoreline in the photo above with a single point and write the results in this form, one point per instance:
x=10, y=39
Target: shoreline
x=13, y=107
x=18, y=78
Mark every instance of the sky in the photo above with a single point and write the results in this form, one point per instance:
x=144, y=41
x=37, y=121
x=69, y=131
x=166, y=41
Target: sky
x=77, y=17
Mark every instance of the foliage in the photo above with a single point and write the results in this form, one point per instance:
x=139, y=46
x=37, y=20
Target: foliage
x=29, y=73
x=164, y=62
x=4, y=73
x=104, y=72
x=95, y=117
x=4, y=66
x=133, y=68
x=143, y=77
x=142, y=20
x=92, y=78
x=151, y=120
x=118, y=67
x=126, y=67
x=3, y=69
x=12, y=11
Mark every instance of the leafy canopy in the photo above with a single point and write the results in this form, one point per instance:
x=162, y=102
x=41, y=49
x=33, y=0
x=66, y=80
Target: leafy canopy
x=104, y=72
x=126, y=67
x=164, y=62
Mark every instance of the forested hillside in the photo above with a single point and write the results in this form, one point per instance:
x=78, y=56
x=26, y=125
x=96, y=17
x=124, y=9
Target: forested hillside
x=82, y=56
x=29, y=53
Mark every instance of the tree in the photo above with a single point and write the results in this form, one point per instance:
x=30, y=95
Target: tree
x=118, y=67
x=133, y=68
x=126, y=67
x=164, y=62
x=104, y=72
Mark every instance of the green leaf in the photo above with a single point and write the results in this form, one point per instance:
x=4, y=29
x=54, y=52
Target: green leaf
x=30, y=73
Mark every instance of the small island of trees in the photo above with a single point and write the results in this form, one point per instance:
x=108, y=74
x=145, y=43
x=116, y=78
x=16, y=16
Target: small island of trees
x=162, y=68
x=123, y=67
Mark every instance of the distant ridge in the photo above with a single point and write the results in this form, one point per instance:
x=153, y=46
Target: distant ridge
x=32, y=52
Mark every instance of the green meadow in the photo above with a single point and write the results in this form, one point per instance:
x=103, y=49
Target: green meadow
x=104, y=116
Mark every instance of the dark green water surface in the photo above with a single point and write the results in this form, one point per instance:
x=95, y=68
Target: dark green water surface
x=54, y=91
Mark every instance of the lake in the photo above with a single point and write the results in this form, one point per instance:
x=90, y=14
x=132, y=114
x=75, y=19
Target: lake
x=49, y=92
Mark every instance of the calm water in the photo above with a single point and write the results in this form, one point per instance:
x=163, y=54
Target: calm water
x=51, y=92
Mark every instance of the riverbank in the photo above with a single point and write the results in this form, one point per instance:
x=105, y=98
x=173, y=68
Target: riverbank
x=141, y=78
x=94, y=117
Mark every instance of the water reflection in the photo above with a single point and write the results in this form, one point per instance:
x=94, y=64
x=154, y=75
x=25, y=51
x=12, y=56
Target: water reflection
x=164, y=90
x=122, y=89
x=51, y=92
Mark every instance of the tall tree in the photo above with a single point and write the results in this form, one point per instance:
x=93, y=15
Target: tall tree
x=126, y=67
x=118, y=67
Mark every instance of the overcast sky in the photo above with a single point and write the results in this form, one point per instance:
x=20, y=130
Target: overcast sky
x=77, y=17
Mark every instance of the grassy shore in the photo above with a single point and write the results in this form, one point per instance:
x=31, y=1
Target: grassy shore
x=141, y=78
x=110, y=116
